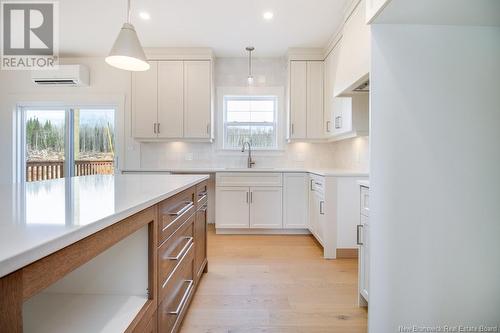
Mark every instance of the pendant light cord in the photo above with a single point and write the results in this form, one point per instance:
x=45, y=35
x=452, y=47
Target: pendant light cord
x=249, y=63
x=128, y=11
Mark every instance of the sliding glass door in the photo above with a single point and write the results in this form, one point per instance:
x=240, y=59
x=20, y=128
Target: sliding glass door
x=62, y=142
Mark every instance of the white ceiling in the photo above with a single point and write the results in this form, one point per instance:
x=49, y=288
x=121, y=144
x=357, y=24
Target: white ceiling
x=89, y=27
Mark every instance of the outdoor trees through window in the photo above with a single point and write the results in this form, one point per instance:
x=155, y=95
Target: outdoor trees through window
x=74, y=142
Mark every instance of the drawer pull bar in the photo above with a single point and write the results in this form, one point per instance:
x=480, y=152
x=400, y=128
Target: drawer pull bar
x=358, y=241
x=183, y=299
x=202, y=194
x=188, y=204
x=204, y=208
x=182, y=251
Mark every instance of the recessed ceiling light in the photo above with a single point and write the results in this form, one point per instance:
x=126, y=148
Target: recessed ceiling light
x=268, y=16
x=144, y=15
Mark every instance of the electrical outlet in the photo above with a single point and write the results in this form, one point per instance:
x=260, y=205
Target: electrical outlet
x=189, y=157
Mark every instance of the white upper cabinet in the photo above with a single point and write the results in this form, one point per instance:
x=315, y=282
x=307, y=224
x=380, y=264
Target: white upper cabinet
x=170, y=99
x=315, y=82
x=354, y=62
x=145, y=102
x=344, y=117
x=298, y=99
x=173, y=100
x=197, y=99
x=306, y=99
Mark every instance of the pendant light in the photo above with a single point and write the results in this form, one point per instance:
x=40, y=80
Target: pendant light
x=250, y=76
x=127, y=52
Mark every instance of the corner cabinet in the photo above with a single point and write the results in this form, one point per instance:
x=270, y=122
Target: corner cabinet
x=295, y=200
x=173, y=100
x=306, y=79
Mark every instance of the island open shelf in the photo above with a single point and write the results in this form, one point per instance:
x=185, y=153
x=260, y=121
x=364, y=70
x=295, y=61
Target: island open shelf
x=103, y=295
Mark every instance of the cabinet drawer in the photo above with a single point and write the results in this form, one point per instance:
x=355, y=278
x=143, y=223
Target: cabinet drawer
x=365, y=196
x=174, y=212
x=179, y=290
x=317, y=184
x=249, y=179
x=201, y=194
x=172, y=252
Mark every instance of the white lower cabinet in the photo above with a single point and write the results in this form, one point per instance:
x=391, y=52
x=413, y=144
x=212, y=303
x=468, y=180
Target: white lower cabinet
x=245, y=201
x=317, y=209
x=295, y=200
x=232, y=209
x=364, y=262
x=265, y=207
x=363, y=240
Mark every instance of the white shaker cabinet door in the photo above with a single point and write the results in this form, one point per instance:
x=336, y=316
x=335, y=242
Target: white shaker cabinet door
x=232, y=207
x=265, y=207
x=170, y=99
x=295, y=200
x=144, y=102
x=315, y=79
x=298, y=100
x=197, y=99
x=364, y=258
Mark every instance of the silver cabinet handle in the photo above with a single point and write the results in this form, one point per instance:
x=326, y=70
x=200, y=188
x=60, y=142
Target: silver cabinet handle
x=338, y=122
x=321, y=207
x=292, y=130
x=247, y=197
x=208, y=128
x=158, y=128
x=312, y=181
x=184, y=298
x=204, y=208
x=251, y=197
x=154, y=128
x=328, y=126
x=182, y=251
x=358, y=228
x=187, y=205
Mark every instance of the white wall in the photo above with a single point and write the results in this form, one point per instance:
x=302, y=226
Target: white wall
x=106, y=83
x=15, y=86
x=435, y=161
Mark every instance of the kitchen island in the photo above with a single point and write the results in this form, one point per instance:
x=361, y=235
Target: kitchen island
x=101, y=253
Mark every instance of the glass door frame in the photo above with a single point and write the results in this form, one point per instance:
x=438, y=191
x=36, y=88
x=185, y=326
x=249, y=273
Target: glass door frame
x=69, y=154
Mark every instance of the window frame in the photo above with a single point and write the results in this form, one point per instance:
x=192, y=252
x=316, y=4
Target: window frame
x=250, y=124
x=254, y=92
x=19, y=103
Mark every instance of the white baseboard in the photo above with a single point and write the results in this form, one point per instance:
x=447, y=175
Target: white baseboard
x=231, y=231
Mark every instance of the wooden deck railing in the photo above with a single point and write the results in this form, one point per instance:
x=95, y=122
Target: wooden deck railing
x=43, y=170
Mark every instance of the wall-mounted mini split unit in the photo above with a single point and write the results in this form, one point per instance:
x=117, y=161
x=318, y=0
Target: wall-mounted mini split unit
x=64, y=75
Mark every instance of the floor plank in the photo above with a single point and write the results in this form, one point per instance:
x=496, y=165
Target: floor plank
x=274, y=284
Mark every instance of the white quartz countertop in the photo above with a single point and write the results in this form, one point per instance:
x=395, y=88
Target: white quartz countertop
x=320, y=172
x=39, y=218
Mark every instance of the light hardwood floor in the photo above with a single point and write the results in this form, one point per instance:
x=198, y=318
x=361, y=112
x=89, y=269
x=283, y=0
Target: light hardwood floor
x=274, y=284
